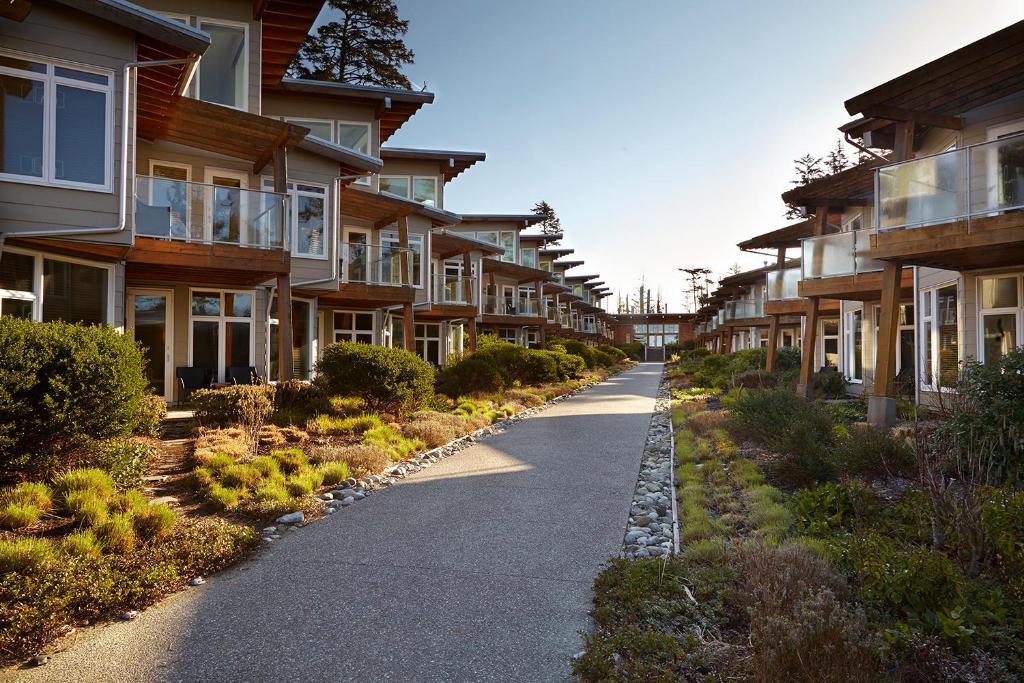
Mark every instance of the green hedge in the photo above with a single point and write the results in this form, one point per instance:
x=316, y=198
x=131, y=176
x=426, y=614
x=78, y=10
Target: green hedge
x=497, y=365
x=389, y=380
x=63, y=388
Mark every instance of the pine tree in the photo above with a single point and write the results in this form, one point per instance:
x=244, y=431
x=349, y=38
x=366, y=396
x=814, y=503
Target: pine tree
x=551, y=225
x=365, y=46
x=836, y=160
x=808, y=168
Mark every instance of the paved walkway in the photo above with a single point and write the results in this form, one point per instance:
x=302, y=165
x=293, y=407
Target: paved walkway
x=479, y=568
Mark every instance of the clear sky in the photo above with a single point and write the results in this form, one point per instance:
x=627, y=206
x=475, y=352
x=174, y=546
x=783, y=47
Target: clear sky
x=662, y=132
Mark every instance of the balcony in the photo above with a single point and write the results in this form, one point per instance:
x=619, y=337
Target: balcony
x=363, y=263
x=844, y=253
x=451, y=290
x=742, y=309
x=510, y=306
x=782, y=284
x=207, y=233
x=550, y=311
x=959, y=209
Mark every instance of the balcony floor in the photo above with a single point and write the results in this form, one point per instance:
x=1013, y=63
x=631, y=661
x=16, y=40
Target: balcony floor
x=230, y=264
x=361, y=295
x=988, y=242
x=862, y=287
x=447, y=312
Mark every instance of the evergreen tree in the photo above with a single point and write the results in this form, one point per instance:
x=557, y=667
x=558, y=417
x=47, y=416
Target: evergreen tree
x=551, y=225
x=365, y=45
x=808, y=168
x=836, y=160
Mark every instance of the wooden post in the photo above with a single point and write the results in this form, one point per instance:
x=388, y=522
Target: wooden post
x=903, y=145
x=284, y=327
x=403, y=242
x=467, y=271
x=881, y=404
x=538, y=288
x=807, y=353
x=472, y=334
x=780, y=259
x=773, y=343
x=408, y=323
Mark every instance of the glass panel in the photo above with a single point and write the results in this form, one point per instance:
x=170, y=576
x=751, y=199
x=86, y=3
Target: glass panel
x=226, y=208
x=508, y=242
x=236, y=345
x=168, y=189
x=858, y=345
x=320, y=129
x=997, y=175
x=205, y=344
x=396, y=186
x=16, y=308
x=17, y=272
x=151, y=331
x=81, y=135
x=74, y=292
x=907, y=353
x=206, y=303
x=22, y=65
x=999, y=292
x=948, y=338
x=397, y=333
x=363, y=338
x=222, y=68
x=923, y=191
x=1000, y=332
x=529, y=257
x=355, y=136
x=364, y=321
x=424, y=190
x=358, y=256
x=22, y=126
x=310, y=226
x=906, y=314
x=238, y=305
x=77, y=75
x=926, y=351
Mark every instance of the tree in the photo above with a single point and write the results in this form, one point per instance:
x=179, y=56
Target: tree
x=551, y=225
x=696, y=286
x=365, y=45
x=836, y=160
x=808, y=168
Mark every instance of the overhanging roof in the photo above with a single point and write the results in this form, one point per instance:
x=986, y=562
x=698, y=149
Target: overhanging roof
x=394, y=106
x=854, y=186
x=145, y=22
x=556, y=252
x=527, y=219
x=351, y=162
x=580, y=278
x=783, y=238
x=384, y=209
x=448, y=244
x=452, y=163
x=284, y=26
x=750, y=276
x=515, y=271
x=566, y=265
x=542, y=237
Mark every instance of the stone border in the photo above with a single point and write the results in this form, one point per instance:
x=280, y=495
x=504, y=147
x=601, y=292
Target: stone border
x=353, y=490
x=652, y=530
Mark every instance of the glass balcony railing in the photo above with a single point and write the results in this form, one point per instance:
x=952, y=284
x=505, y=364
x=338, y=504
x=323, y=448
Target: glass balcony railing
x=214, y=214
x=509, y=305
x=563, y=319
x=455, y=291
x=844, y=253
x=550, y=311
x=961, y=184
x=375, y=264
x=744, y=308
x=782, y=284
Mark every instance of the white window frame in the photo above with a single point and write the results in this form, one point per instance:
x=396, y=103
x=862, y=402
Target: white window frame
x=514, y=256
x=334, y=329
x=293, y=192
x=50, y=82
x=38, y=293
x=222, y=321
x=346, y=237
x=168, y=350
x=426, y=338
x=302, y=120
x=363, y=180
x=412, y=189
x=311, y=331
x=931, y=364
x=981, y=312
x=847, y=333
x=200, y=20
x=821, y=344
x=408, y=186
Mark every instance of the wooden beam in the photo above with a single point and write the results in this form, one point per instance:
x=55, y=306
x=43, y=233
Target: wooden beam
x=403, y=242
x=284, y=327
x=393, y=218
x=888, y=330
x=280, y=157
x=900, y=114
x=807, y=352
x=472, y=334
x=409, y=324
x=820, y=220
x=903, y=146
x=773, y=343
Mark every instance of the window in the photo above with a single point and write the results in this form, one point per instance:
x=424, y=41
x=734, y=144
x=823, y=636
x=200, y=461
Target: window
x=456, y=338
x=424, y=190
x=355, y=136
x=353, y=326
x=390, y=268
x=508, y=334
x=830, y=343
x=223, y=70
x=1000, y=316
x=396, y=332
x=529, y=258
x=396, y=185
x=47, y=289
x=302, y=335
x=17, y=285
x=220, y=331
x=428, y=342
x=939, y=337
x=508, y=243
x=55, y=123
x=322, y=129
x=168, y=188
x=853, y=341
x=307, y=218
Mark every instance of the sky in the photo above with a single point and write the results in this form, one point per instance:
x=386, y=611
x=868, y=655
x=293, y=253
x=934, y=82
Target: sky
x=662, y=132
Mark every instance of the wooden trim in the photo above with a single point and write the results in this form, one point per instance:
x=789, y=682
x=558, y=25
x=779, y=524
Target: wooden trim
x=888, y=331
x=810, y=341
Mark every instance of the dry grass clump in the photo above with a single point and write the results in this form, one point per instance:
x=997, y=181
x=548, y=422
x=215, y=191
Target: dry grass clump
x=436, y=429
x=706, y=421
x=362, y=459
x=210, y=441
x=525, y=398
x=273, y=436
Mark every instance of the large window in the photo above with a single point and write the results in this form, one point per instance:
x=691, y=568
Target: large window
x=353, y=326
x=396, y=185
x=508, y=242
x=999, y=316
x=307, y=218
x=319, y=128
x=354, y=135
x=529, y=258
x=940, y=347
x=55, y=123
x=428, y=342
x=47, y=289
x=223, y=70
x=220, y=331
x=424, y=190
x=830, y=343
x=302, y=340
x=853, y=338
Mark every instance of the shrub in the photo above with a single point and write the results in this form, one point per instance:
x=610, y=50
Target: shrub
x=617, y=354
x=117, y=534
x=126, y=460
x=18, y=515
x=154, y=521
x=787, y=358
x=83, y=479
x=24, y=504
x=569, y=366
x=290, y=460
x=348, y=405
x=833, y=509
x=298, y=398
x=267, y=466
x=330, y=424
x=392, y=380
x=578, y=348
x=392, y=442
x=131, y=502
x=634, y=350
x=705, y=421
x=24, y=555
x=362, y=459
x=436, y=429
x=471, y=374
x=271, y=492
x=239, y=476
x=63, y=387
x=152, y=411
x=333, y=472
x=539, y=367
x=304, y=483
x=86, y=508
x=232, y=405
x=873, y=452
x=829, y=384
x=223, y=497
x=81, y=544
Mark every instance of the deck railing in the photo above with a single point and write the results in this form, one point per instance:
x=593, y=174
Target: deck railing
x=374, y=264
x=844, y=253
x=214, y=214
x=961, y=184
x=510, y=305
x=455, y=290
x=782, y=284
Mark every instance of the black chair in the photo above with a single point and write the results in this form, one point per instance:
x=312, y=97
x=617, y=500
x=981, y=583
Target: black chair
x=190, y=379
x=152, y=220
x=241, y=374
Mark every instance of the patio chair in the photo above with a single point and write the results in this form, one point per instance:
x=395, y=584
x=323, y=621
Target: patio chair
x=152, y=220
x=241, y=374
x=189, y=379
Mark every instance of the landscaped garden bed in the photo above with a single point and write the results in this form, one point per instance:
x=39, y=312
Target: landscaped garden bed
x=99, y=518
x=815, y=548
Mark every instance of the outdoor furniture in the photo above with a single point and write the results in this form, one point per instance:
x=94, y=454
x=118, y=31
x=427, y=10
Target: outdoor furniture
x=241, y=374
x=189, y=379
x=152, y=220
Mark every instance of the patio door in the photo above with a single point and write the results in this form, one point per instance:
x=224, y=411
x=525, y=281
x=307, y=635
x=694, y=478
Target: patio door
x=151, y=323
x=225, y=203
x=356, y=256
